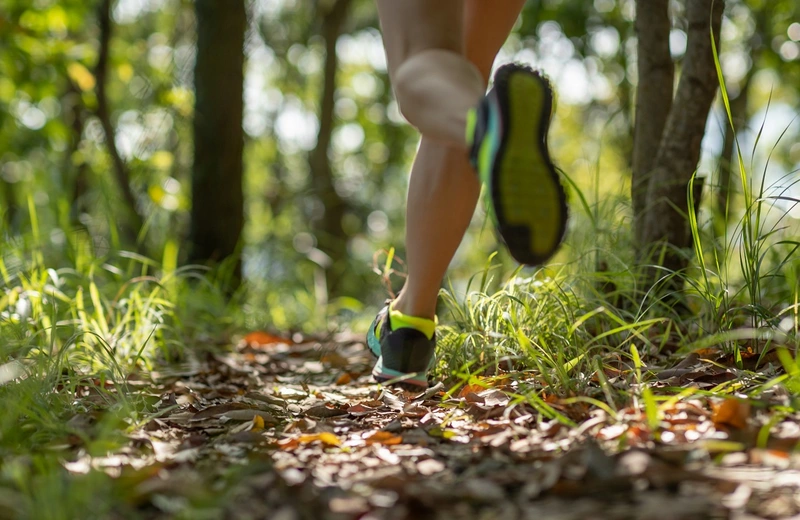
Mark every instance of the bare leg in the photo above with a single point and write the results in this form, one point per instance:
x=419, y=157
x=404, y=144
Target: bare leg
x=423, y=41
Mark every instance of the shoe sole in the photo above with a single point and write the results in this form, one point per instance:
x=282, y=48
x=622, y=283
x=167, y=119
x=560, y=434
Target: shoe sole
x=386, y=376
x=528, y=199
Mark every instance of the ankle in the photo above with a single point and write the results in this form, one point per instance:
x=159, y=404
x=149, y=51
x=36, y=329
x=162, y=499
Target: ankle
x=411, y=307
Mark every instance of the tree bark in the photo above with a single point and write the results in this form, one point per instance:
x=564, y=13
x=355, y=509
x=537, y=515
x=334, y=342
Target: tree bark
x=653, y=96
x=75, y=176
x=217, y=193
x=135, y=220
x=9, y=210
x=663, y=219
x=331, y=236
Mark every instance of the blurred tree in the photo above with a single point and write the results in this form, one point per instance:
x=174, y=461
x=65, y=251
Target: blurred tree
x=133, y=224
x=668, y=133
x=331, y=236
x=217, y=215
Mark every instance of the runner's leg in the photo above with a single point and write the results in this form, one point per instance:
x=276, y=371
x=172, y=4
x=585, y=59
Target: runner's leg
x=433, y=66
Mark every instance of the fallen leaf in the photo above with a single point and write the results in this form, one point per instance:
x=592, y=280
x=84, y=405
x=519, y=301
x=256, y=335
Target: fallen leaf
x=216, y=411
x=359, y=410
x=329, y=439
x=473, y=398
x=612, y=432
x=261, y=339
x=707, y=353
x=249, y=415
x=731, y=412
x=494, y=397
x=430, y=466
x=470, y=389
x=383, y=437
x=324, y=411
x=344, y=379
x=335, y=360
x=258, y=424
x=326, y=438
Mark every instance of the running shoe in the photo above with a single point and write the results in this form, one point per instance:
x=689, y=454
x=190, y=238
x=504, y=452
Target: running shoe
x=404, y=355
x=507, y=135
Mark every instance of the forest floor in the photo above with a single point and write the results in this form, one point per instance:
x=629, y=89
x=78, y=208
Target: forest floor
x=295, y=431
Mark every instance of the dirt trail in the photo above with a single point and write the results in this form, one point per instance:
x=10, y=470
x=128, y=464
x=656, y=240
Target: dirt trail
x=308, y=435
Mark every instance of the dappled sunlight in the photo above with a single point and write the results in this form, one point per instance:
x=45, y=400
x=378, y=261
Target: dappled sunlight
x=203, y=205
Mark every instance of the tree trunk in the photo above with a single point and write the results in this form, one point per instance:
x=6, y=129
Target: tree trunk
x=133, y=224
x=330, y=234
x=8, y=211
x=75, y=176
x=653, y=97
x=217, y=193
x=663, y=219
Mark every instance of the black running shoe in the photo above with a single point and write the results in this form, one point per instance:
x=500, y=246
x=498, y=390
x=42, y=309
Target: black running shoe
x=507, y=134
x=404, y=355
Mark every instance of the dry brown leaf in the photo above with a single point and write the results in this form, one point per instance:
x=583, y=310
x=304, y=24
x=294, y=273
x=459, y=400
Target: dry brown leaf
x=344, y=379
x=494, y=397
x=324, y=411
x=382, y=437
x=470, y=389
x=249, y=415
x=473, y=398
x=335, y=360
x=731, y=412
x=708, y=353
x=216, y=411
x=359, y=410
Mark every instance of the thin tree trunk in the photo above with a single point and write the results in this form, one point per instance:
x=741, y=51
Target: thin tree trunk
x=664, y=216
x=9, y=208
x=134, y=219
x=330, y=234
x=217, y=193
x=75, y=177
x=653, y=97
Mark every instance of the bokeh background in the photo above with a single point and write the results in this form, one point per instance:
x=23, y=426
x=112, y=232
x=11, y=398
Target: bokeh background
x=57, y=174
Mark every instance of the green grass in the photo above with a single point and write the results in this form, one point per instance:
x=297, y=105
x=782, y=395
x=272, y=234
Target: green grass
x=75, y=327
x=78, y=325
x=562, y=325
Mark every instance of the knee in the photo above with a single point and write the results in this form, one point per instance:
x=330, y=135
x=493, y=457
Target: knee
x=428, y=71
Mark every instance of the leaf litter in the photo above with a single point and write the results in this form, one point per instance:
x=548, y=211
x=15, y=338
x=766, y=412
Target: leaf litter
x=307, y=434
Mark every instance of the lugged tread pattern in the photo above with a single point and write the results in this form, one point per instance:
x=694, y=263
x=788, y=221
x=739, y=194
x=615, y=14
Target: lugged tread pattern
x=527, y=197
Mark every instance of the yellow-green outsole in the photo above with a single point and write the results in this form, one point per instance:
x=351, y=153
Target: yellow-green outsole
x=527, y=195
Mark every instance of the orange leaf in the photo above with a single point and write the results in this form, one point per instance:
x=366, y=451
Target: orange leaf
x=326, y=438
x=344, y=379
x=260, y=338
x=381, y=437
x=731, y=412
x=470, y=389
x=707, y=353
